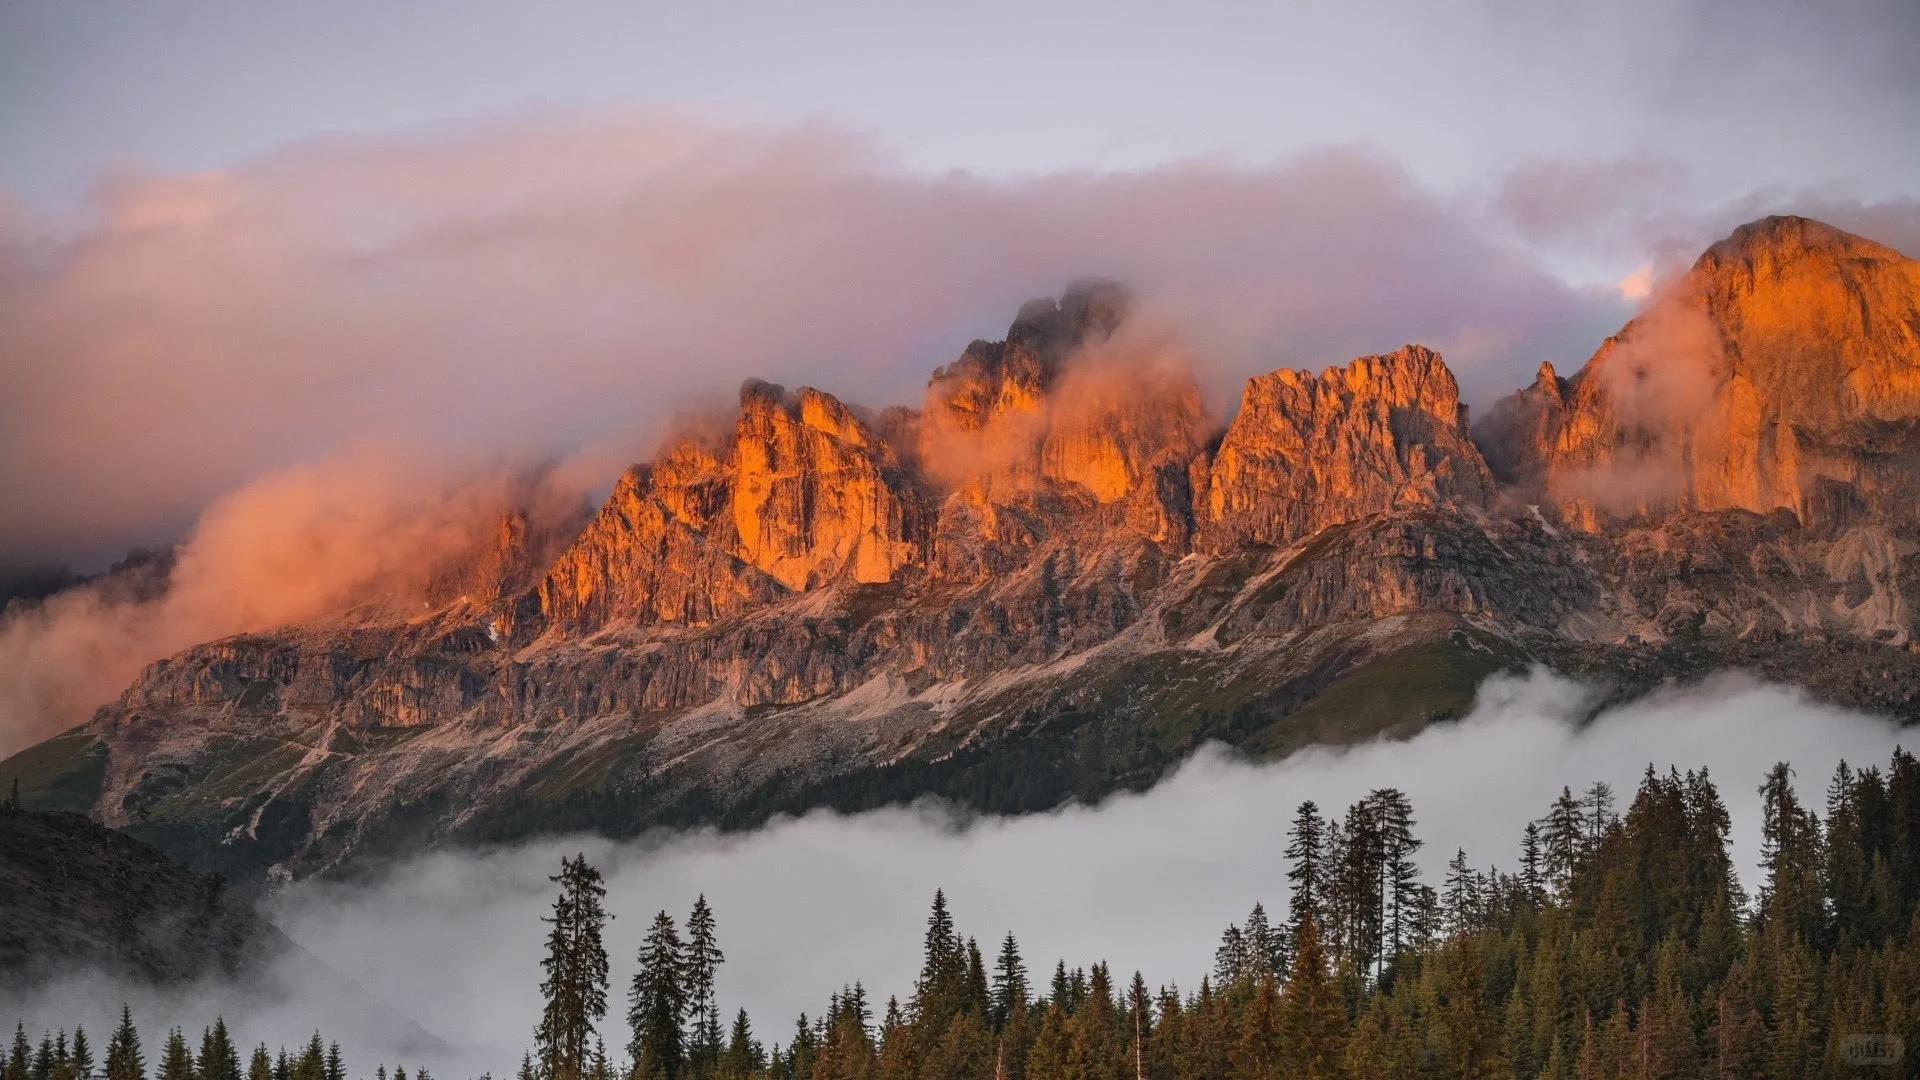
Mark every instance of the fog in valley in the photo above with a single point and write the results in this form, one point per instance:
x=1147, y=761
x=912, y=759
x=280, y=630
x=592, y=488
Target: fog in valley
x=453, y=939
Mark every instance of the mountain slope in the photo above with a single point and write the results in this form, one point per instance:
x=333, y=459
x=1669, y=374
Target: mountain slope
x=1058, y=577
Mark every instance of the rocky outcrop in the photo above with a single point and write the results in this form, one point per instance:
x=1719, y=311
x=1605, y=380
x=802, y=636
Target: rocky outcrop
x=816, y=495
x=1306, y=452
x=1783, y=372
x=803, y=494
x=644, y=558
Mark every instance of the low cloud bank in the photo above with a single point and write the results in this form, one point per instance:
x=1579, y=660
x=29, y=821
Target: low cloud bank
x=1145, y=881
x=365, y=530
x=521, y=288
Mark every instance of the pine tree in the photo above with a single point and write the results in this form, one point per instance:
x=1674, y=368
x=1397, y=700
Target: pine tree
x=941, y=990
x=1399, y=877
x=1461, y=901
x=20, y=1058
x=176, y=1061
x=1312, y=1022
x=1790, y=856
x=219, y=1058
x=336, y=1068
x=703, y=956
x=1258, y=1053
x=1009, y=983
x=260, y=1066
x=896, y=1044
x=575, y=988
x=313, y=1060
x=1232, y=961
x=1264, y=949
x=1533, y=880
x=597, y=1068
x=80, y=1059
x=1564, y=835
x=1470, y=1035
x=1596, y=807
x=1306, y=873
x=743, y=1055
x=124, y=1058
x=978, y=1000
x=657, y=1003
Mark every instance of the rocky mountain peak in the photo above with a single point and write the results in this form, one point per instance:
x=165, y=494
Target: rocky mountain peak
x=1782, y=372
x=1783, y=239
x=1306, y=451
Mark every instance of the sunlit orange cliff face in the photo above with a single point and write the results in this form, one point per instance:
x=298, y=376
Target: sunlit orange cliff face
x=1783, y=372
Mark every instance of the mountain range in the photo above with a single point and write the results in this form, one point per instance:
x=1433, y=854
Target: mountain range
x=1059, y=576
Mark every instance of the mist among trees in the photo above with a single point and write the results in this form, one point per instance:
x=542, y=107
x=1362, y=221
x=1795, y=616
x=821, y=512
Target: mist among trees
x=1619, y=943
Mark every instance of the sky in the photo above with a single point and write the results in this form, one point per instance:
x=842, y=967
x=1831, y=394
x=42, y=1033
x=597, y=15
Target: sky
x=238, y=239
x=1754, y=92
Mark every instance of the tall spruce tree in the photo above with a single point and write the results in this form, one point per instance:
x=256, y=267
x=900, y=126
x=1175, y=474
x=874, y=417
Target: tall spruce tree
x=1363, y=866
x=1596, y=808
x=124, y=1058
x=1460, y=902
x=312, y=1064
x=979, y=1001
x=657, y=1004
x=1564, y=833
x=1398, y=875
x=1306, y=870
x=219, y=1058
x=1312, y=1021
x=1265, y=952
x=575, y=988
x=1230, y=960
x=80, y=1058
x=703, y=957
x=1533, y=878
x=20, y=1057
x=941, y=990
x=1010, y=989
x=1790, y=856
x=1060, y=991
x=176, y=1061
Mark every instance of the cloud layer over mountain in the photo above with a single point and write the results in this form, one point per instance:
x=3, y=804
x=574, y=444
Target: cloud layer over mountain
x=514, y=290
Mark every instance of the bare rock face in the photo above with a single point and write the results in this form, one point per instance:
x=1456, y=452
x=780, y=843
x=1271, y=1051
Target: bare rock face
x=1513, y=432
x=1782, y=373
x=1305, y=452
x=817, y=495
x=643, y=558
x=805, y=493
x=987, y=413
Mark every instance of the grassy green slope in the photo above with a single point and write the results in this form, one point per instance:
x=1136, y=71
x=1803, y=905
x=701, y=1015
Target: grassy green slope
x=63, y=773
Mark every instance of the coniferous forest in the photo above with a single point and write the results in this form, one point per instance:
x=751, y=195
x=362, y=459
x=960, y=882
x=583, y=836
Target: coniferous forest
x=1618, y=943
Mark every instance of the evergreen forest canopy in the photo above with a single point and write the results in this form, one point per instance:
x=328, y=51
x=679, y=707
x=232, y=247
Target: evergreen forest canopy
x=1622, y=946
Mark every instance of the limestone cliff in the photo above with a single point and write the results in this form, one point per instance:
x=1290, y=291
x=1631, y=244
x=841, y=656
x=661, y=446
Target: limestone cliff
x=1783, y=372
x=1306, y=451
